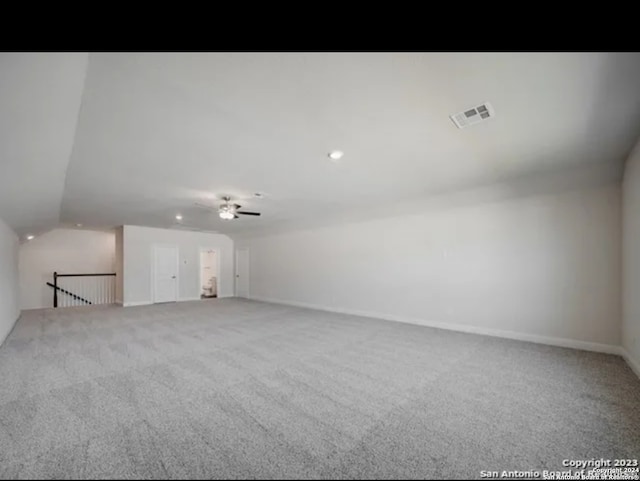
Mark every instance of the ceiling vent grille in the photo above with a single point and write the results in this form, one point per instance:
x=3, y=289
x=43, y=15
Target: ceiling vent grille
x=193, y=229
x=473, y=115
x=186, y=227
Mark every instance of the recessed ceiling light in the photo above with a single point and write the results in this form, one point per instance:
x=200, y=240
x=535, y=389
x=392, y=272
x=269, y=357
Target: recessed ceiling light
x=29, y=237
x=336, y=154
x=78, y=225
x=178, y=217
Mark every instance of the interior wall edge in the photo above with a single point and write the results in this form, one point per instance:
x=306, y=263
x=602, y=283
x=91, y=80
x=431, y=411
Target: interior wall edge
x=6, y=336
x=633, y=364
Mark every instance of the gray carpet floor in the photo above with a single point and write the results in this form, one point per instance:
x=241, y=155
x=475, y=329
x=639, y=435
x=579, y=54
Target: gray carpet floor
x=230, y=388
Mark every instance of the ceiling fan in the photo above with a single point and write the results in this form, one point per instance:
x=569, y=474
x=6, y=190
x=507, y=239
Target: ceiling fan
x=228, y=211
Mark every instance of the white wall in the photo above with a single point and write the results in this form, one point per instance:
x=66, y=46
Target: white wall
x=9, y=293
x=71, y=251
x=631, y=256
x=545, y=268
x=138, y=243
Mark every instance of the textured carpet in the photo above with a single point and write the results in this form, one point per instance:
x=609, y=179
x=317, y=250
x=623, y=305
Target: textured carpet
x=229, y=388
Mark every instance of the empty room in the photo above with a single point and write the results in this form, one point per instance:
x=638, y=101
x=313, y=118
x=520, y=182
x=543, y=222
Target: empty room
x=319, y=265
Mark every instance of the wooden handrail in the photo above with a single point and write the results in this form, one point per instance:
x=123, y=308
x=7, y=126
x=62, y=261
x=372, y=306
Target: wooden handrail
x=84, y=275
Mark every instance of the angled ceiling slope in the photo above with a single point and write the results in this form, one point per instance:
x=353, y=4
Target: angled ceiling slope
x=40, y=95
x=158, y=132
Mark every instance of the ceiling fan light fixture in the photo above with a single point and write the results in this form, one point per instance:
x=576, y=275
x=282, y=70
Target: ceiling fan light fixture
x=226, y=215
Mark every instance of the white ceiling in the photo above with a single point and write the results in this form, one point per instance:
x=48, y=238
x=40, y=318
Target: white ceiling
x=39, y=102
x=157, y=132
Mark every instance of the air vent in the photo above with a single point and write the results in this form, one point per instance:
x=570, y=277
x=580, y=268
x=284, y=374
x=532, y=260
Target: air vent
x=193, y=229
x=185, y=227
x=473, y=115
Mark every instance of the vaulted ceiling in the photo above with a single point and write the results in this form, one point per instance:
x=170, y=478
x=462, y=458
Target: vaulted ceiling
x=109, y=139
x=39, y=104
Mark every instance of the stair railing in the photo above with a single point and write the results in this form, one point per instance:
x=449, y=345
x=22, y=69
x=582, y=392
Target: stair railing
x=83, y=289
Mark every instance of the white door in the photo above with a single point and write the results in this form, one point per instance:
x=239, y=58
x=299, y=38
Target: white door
x=165, y=284
x=242, y=273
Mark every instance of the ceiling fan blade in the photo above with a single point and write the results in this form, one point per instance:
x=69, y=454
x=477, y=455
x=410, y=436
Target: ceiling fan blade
x=247, y=213
x=237, y=206
x=236, y=216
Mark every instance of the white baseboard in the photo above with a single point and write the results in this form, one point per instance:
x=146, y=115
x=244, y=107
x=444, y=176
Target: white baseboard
x=185, y=299
x=633, y=364
x=137, y=303
x=518, y=336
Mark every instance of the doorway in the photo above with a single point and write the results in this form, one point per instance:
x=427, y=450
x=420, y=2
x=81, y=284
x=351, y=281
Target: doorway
x=165, y=273
x=242, y=273
x=209, y=273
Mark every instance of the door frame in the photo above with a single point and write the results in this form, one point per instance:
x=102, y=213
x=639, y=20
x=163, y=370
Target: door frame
x=236, y=272
x=153, y=271
x=217, y=254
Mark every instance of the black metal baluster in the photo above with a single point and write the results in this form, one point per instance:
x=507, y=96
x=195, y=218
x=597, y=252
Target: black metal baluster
x=55, y=289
